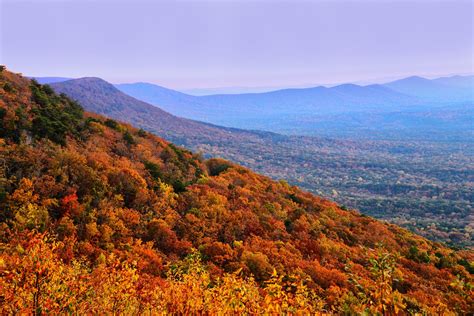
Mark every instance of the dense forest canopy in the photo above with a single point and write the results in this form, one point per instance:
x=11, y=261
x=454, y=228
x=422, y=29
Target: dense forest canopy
x=99, y=217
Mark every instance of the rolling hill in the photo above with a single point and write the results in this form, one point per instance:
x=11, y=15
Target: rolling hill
x=101, y=217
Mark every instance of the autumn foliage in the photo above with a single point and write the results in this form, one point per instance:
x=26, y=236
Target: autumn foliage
x=97, y=217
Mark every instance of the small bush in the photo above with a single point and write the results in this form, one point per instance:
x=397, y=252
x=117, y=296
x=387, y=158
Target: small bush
x=112, y=124
x=217, y=166
x=129, y=138
x=142, y=133
x=7, y=87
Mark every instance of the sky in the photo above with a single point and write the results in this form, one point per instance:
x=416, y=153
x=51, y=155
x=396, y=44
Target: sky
x=201, y=44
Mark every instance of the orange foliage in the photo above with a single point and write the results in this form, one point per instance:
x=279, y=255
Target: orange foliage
x=96, y=224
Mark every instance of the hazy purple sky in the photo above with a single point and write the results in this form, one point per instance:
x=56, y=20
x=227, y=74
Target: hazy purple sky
x=185, y=44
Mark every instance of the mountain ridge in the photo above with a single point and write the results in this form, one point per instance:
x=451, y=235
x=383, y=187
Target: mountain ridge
x=460, y=80
x=108, y=100
x=125, y=209
x=287, y=106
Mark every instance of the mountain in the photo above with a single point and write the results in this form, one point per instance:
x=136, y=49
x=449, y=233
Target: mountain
x=172, y=101
x=224, y=108
x=347, y=97
x=286, y=111
x=101, y=217
x=102, y=97
x=332, y=111
x=433, y=90
x=407, y=195
x=277, y=110
x=346, y=110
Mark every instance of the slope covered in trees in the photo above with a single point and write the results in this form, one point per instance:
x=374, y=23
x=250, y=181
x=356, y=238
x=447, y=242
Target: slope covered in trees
x=99, y=217
x=424, y=186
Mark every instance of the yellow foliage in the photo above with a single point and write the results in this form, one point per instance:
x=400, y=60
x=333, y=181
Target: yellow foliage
x=36, y=280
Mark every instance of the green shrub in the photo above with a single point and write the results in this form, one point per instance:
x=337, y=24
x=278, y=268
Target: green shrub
x=112, y=124
x=156, y=173
x=217, y=166
x=142, y=133
x=129, y=138
x=7, y=87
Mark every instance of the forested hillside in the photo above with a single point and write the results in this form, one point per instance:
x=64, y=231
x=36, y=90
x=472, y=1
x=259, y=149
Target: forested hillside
x=98, y=217
x=424, y=186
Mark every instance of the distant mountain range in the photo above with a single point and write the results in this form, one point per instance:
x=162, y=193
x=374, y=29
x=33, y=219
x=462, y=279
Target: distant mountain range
x=226, y=108
x=313, y=111
x=411, y=107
